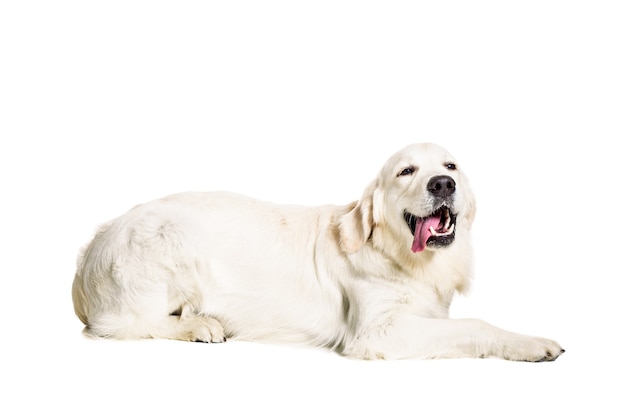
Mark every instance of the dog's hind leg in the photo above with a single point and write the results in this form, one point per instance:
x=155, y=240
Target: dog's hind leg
x=191, y=326
x=185, y=324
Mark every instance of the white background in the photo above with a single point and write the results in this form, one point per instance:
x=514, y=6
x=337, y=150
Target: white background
x=104, y=105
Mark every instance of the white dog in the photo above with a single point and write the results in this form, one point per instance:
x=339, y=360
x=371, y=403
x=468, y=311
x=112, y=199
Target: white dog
x=371, y=279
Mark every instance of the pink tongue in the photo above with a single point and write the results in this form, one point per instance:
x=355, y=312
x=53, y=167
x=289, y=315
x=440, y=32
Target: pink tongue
x=422, y=232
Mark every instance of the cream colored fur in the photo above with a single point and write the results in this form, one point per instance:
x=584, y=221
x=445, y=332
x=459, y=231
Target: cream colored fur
x=211, y=266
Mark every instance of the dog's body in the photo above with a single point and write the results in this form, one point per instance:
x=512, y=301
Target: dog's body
x=372, y=279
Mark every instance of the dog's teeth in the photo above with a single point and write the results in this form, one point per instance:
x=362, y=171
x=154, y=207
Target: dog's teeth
x=446, y=233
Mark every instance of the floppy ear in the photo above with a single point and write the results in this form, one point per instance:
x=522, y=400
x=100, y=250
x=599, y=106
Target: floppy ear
x=355, y=227
x=470, y=211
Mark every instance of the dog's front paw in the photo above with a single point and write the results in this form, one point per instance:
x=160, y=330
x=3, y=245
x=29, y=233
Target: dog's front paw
x=532, y=349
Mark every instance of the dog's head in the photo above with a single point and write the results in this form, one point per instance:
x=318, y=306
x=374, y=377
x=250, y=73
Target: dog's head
x=421, y=198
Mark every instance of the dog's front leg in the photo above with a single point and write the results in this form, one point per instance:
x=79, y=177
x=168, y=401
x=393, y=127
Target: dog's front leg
x=409, y=336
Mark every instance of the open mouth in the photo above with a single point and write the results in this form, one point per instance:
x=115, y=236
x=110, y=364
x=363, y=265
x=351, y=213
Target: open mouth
x=436, y=230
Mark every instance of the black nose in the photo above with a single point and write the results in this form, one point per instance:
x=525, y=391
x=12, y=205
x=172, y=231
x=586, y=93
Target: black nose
x=441, y=186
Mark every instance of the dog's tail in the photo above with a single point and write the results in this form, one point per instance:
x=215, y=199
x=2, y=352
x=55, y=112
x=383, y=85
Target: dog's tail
x=79, y=298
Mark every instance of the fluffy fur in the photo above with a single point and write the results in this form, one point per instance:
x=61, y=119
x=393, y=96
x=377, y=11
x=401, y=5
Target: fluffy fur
x=215, y=266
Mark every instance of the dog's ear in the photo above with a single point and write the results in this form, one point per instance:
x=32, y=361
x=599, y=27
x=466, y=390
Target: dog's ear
x=355, y=227
x=470, y=211
x=470, y=202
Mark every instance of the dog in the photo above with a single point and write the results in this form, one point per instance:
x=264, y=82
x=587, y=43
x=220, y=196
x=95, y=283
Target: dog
x=372, y=279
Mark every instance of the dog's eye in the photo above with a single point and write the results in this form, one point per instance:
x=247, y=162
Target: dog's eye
x=450, y=166
x=406, y=171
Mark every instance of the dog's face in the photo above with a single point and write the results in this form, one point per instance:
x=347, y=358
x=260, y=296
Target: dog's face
x=427, y=194
x=421, y=197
